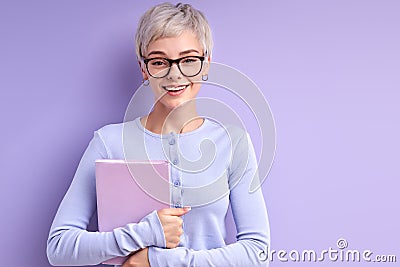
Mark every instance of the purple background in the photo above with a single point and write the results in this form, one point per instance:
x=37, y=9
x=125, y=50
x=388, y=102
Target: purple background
x=330, y=71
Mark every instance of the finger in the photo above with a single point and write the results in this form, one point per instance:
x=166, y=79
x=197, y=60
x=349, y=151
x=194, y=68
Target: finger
x=176, y=211
x=173, y=242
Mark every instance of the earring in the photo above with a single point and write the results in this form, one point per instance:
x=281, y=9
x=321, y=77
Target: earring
x=204, y=77
x=145, y=82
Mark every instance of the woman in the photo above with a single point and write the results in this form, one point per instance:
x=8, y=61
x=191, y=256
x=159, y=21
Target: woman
x=173, y=45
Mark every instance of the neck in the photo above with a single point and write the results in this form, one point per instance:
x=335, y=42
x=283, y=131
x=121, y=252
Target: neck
x=163, y=120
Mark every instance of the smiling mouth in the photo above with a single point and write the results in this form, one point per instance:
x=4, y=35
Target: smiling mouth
x=175, y=88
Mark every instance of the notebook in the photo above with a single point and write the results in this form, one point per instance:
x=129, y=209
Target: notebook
x=129, y=190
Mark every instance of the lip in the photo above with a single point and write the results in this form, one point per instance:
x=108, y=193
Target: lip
x=175, y=89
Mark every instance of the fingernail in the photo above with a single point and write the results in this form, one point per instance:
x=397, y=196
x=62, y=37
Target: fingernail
x=187, y=208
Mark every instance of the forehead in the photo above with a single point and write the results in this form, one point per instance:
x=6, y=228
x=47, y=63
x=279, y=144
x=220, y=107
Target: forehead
x=173, y=46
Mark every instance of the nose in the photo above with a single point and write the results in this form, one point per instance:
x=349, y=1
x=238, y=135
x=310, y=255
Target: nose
x=174, y=72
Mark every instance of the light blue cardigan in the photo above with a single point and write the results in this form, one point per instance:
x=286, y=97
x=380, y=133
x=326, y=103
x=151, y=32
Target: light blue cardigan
x=212, y=167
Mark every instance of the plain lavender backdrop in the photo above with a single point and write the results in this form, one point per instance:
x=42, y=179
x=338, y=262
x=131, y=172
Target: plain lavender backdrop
x=329, y=69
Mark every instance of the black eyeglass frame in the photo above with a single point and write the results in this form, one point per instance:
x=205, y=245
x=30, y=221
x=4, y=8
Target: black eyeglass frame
x=170, y=62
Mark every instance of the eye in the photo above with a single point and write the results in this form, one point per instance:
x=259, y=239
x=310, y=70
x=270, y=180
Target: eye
x=190, y=60
x=158, y=62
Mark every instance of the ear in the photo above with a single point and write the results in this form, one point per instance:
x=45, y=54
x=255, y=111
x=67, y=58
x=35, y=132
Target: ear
x=143, y=69
x=206, y=65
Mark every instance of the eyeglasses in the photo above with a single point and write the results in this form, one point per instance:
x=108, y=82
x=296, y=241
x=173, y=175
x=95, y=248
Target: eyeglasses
x=160, y=67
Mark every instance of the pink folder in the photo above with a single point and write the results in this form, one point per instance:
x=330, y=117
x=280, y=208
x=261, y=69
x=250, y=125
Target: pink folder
x=129, y=190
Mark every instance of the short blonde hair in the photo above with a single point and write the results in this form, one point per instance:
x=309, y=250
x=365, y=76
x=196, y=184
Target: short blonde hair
x=168, y=20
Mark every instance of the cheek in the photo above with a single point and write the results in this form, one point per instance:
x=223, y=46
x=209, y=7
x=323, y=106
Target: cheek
x=195, y=88
x=156, y=89
x=154, y=84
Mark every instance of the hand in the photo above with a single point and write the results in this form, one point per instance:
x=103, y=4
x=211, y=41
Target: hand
x=138, y=259
x=172, y=224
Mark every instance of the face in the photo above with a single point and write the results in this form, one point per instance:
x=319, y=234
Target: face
x=174, y=89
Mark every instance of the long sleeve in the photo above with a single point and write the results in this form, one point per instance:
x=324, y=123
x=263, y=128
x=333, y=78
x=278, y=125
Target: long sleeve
x=250, y=216
x=70, y=244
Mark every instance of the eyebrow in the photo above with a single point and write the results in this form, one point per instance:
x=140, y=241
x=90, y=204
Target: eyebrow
x=188, y=52
x=181, y=53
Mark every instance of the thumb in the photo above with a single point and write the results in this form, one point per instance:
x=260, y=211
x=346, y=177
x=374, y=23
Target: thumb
x=177, y=211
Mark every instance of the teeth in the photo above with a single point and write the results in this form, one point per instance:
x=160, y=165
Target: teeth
x=178, y=88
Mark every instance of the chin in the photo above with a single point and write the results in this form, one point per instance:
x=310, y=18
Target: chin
x=176, y=103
